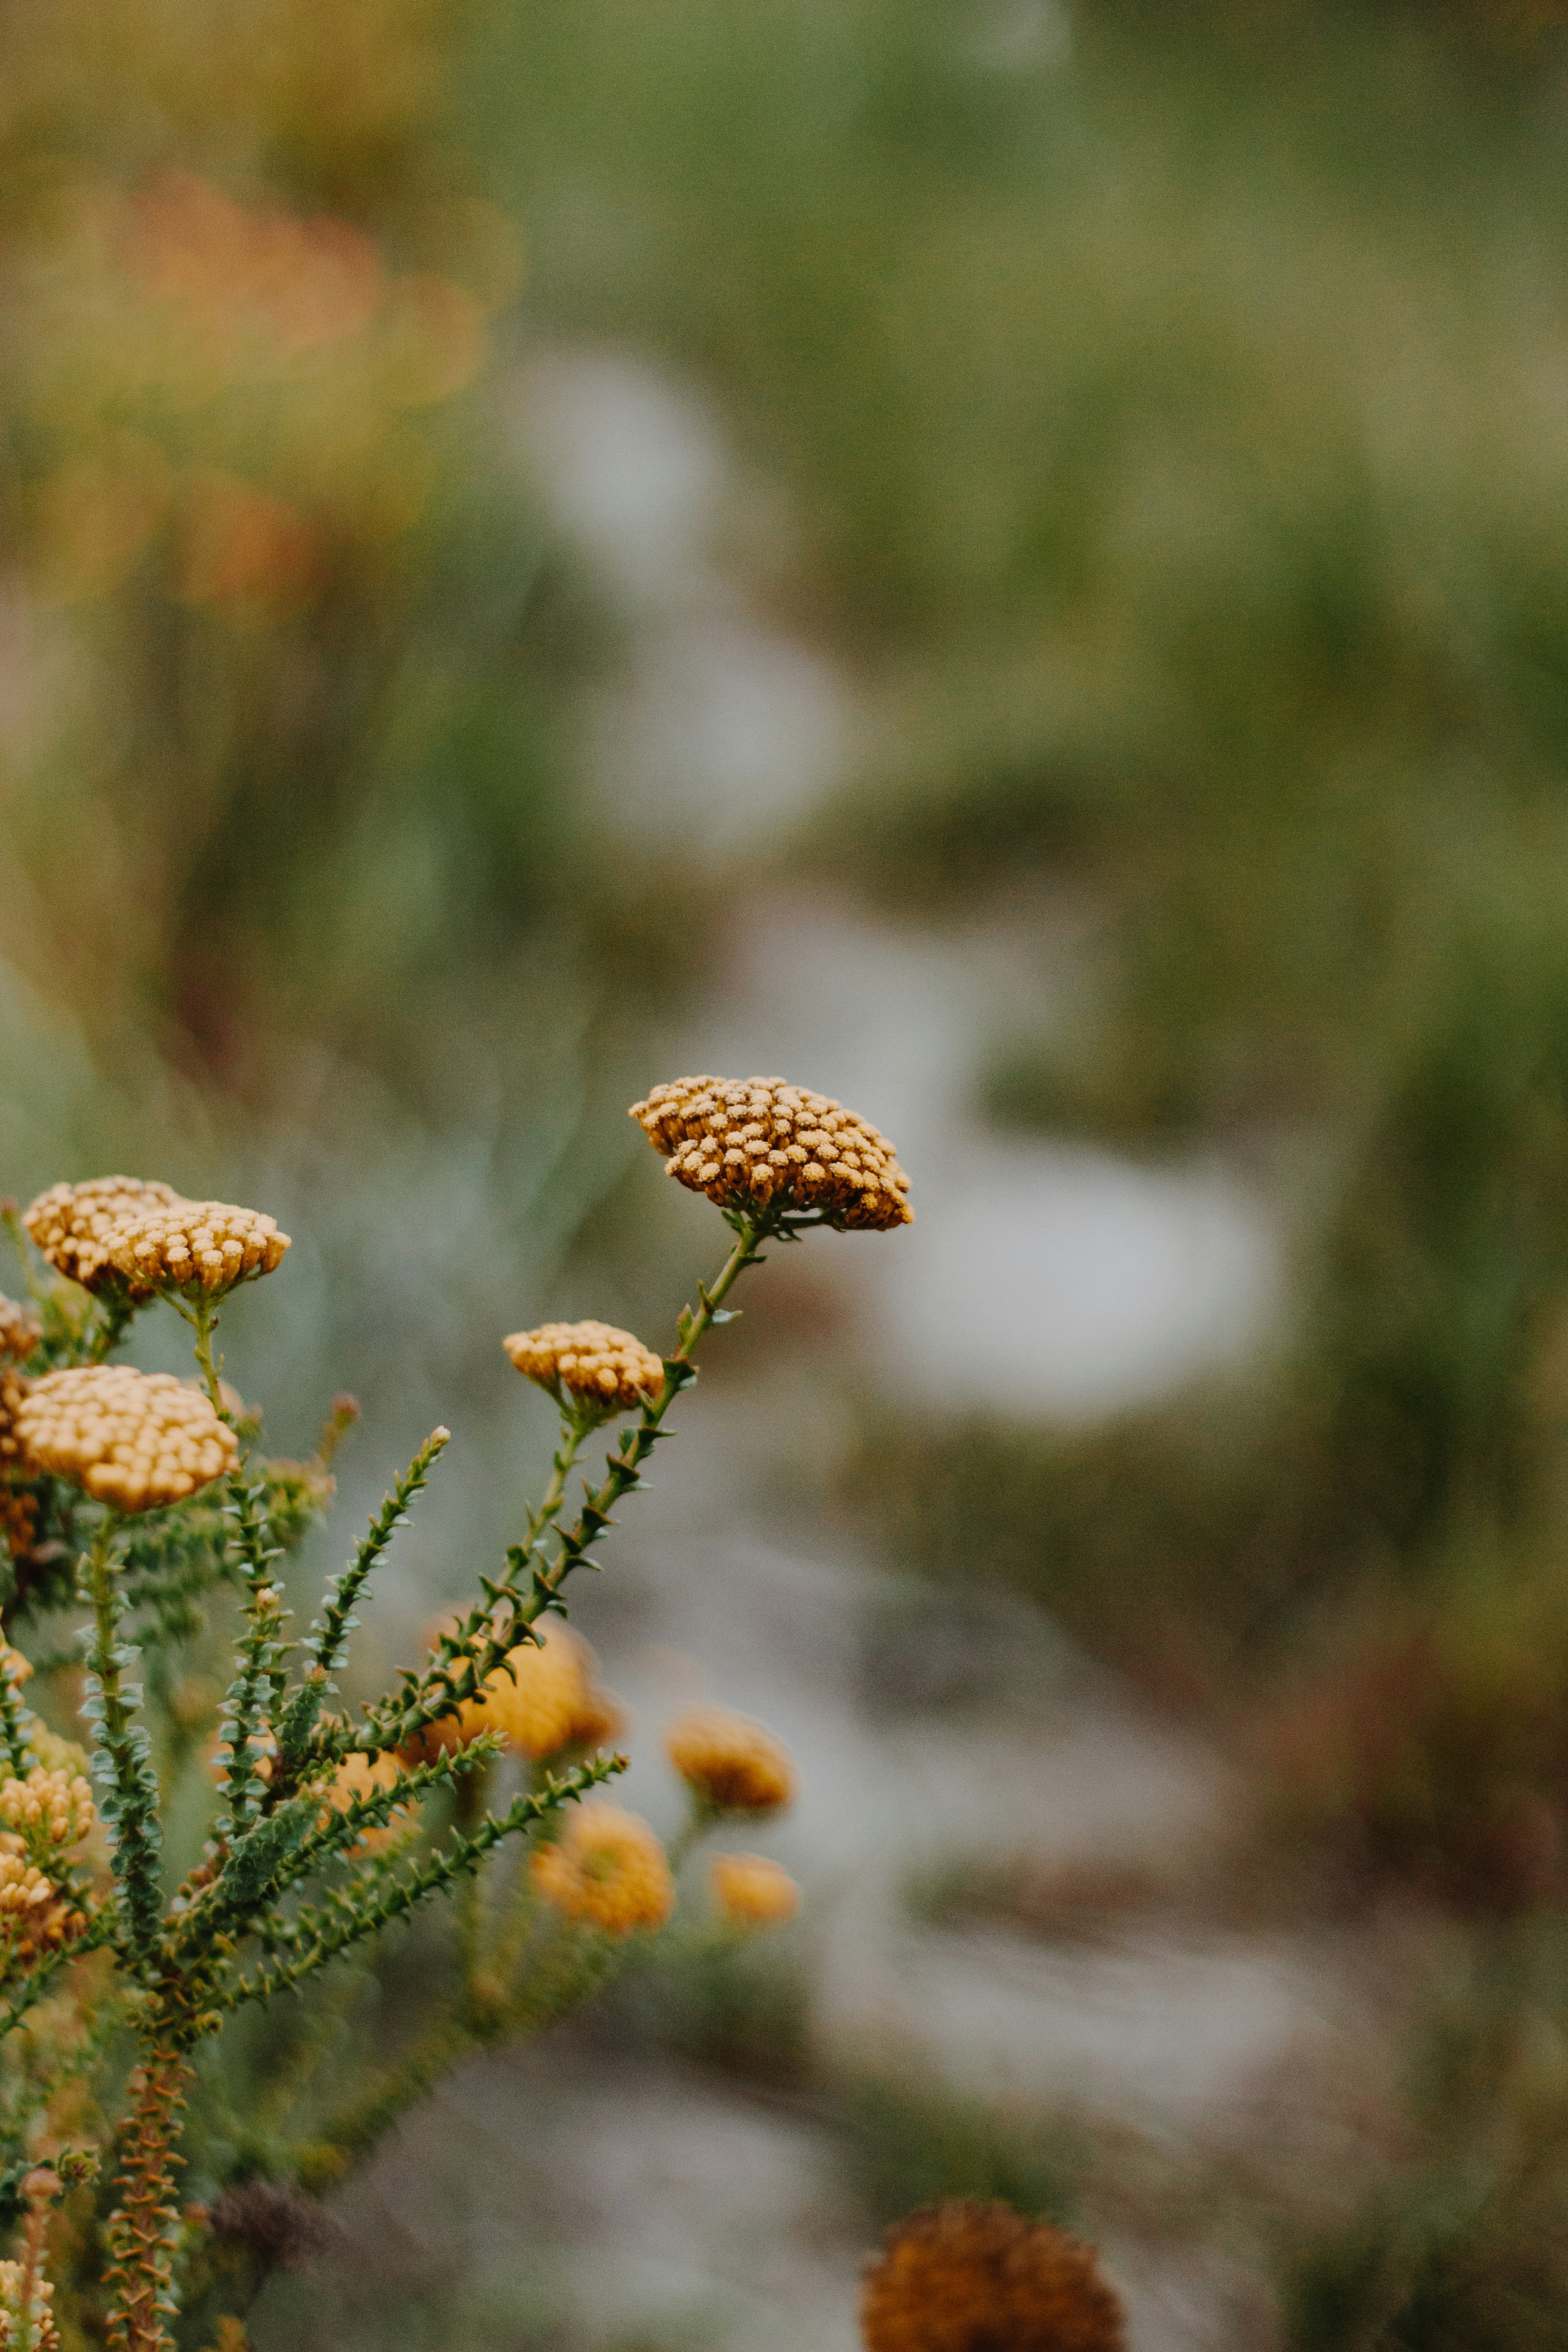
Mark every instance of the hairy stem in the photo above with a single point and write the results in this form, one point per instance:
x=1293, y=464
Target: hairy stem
x=144, y=2227
x=122, y=1756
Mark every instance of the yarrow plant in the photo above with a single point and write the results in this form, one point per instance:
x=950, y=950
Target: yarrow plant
x=129, y=1503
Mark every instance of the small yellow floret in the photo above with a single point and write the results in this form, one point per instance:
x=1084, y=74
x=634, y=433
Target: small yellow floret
x=588, y=1363
x=48, y=1808
x=202, y=1245
x=729, y=1763
x=20, y=1330
x=76, y=1226
x=133, y=1440
x=751, y=1142
x=608, y=1870
x=752, y=1892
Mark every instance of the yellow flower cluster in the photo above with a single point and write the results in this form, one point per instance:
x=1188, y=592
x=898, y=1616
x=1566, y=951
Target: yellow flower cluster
x=963, y=2274
x=728, y=1762
x=33, y=1918
x=18, y=1513
x=14, y=1391
x=594, y=1363
x=750, y=1892
x=76, y=1226
x=134, y=1440
x=20, y=1330
x=45, y=2336
x=752, y=1142
x=608, y=1870
x=52, y=1808
x=206, y=1245
x=358, y=1777
x=540, y=1700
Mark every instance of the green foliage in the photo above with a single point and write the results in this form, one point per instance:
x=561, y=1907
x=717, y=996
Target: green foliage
x=328, y=1833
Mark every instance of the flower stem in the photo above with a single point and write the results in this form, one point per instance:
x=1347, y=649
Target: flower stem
x=202, y=1317
x=145, y=2226
x=123, y=1761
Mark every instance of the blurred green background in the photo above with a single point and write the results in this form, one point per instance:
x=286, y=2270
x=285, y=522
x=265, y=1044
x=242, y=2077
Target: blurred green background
x=528, y=530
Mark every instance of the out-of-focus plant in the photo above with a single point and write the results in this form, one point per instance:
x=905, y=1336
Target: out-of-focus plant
x=960, y=2276
x=136, y=1500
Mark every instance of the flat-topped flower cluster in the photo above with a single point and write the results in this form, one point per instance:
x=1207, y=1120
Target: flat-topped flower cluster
x=139, y=1501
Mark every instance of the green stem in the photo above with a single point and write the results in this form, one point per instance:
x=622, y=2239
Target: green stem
x=203, y=1319
x=467, y=1656
x=680, y=1371
x=123, y=1761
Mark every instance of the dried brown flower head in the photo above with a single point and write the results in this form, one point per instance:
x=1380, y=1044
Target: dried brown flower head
x=966, y=2277
x=754, y=1143
x=608, y=1870
x=48, y=1809
x=590, y=1364
x=541, y=1698
x=197, y=1245
x=134, y=1440
x=76, y=1226
x=750, y=1892
x=21, y=1329
x=729, y=1761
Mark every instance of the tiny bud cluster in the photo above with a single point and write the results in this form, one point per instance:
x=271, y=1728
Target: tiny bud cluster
x=48, y=1808
x=76, y=1226
x=33, y=1918
x=729, y=1763
x=593, y=1362
x=608, y=1870
x=44, y=2335
x=134, y=1440
x=757, y=1142
x=20, y=1331
x=750, y=1892
x=206, y=1245
x=19, y=1512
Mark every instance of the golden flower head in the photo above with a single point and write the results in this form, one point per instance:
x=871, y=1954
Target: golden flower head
x=590, y=1367
x=33, y=1917
x=608, y=1870
x=728, y=1762
x=356, y=1778
x=75, y=1225
x=47, y=1809
x=750, y=1892
x=541, y=1698
x=196, y=1245
x=20, y=1330
x=967, y=2277
x=134, y=1440
x=15, y=1390
x=749, y=1143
